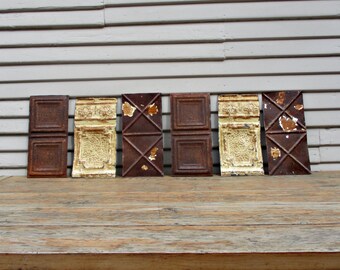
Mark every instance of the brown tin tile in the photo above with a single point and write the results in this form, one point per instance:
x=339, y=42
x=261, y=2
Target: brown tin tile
x=239, y=135
x=142, y=135
x=95, y=138
x=286, y=136
x=191, y=134
x=48, y=131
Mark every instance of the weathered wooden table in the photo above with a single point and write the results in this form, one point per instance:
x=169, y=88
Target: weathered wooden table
x=288, y=222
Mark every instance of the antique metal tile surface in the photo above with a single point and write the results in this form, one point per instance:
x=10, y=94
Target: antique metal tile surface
x=95, y=138
x=239, y=135
x=286, y=136
x=142, y=135
x=191, y=134
x=47, y=150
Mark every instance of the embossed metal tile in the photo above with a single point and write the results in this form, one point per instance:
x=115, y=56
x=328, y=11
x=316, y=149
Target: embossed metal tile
x=239, y=135
x=286, y=136
x=47, y=150
x=191, y=134
x=142, y=135
x=95, y=138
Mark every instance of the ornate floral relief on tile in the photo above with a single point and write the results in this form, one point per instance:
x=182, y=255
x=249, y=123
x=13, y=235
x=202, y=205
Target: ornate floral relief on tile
x=239, y=135
x=95, y=138
x=95, y=109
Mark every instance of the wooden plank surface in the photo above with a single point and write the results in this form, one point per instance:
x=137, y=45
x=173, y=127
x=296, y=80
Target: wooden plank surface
x=295, y=219
x=251, y=261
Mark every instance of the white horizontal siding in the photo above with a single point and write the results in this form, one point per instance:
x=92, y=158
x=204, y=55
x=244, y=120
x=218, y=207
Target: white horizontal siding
x=182, y=33
x=132, y=53
x=53, y=19
x=109, y=47
x=221, y=12
x=42, y=5
x=169, y=70
x=281, y=48
x=163, y=2
x=214, y=85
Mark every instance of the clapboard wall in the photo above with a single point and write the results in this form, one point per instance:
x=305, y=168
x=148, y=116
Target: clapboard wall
x=85, y=48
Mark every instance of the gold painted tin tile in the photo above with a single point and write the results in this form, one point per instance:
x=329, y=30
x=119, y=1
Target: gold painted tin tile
x=95, y=138
x=239, y=135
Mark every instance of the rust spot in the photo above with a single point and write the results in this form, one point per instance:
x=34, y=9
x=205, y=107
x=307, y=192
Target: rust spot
x=288, y=124
x=128, y=110
x=152, y=109
x=153, y=153
x=275, y=153
x=281, y=98
x=144, y=168
x=298, y=107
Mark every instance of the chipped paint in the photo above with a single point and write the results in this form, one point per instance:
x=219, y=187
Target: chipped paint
x=265, y=105
x=153, y=153
x=127, y=109
x=275, y=153
x=298, y=107
x=288, y=124
x=152, y=109
x=144, y=168
x=281, y=98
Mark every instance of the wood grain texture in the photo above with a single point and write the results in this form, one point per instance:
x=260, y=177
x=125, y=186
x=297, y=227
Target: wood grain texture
x=197, y=223
x=268, y=261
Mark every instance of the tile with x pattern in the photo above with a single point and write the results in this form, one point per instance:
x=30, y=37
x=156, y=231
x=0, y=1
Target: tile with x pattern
x=142, y=135
x=286, y=136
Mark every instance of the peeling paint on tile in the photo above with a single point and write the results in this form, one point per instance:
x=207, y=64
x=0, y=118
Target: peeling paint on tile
x=144, y=168
x=288, y=124
x=281, y=98
x=275, y=153
x=298, y=107
x=127, y=109
x=153, y=153
x=152, y=109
